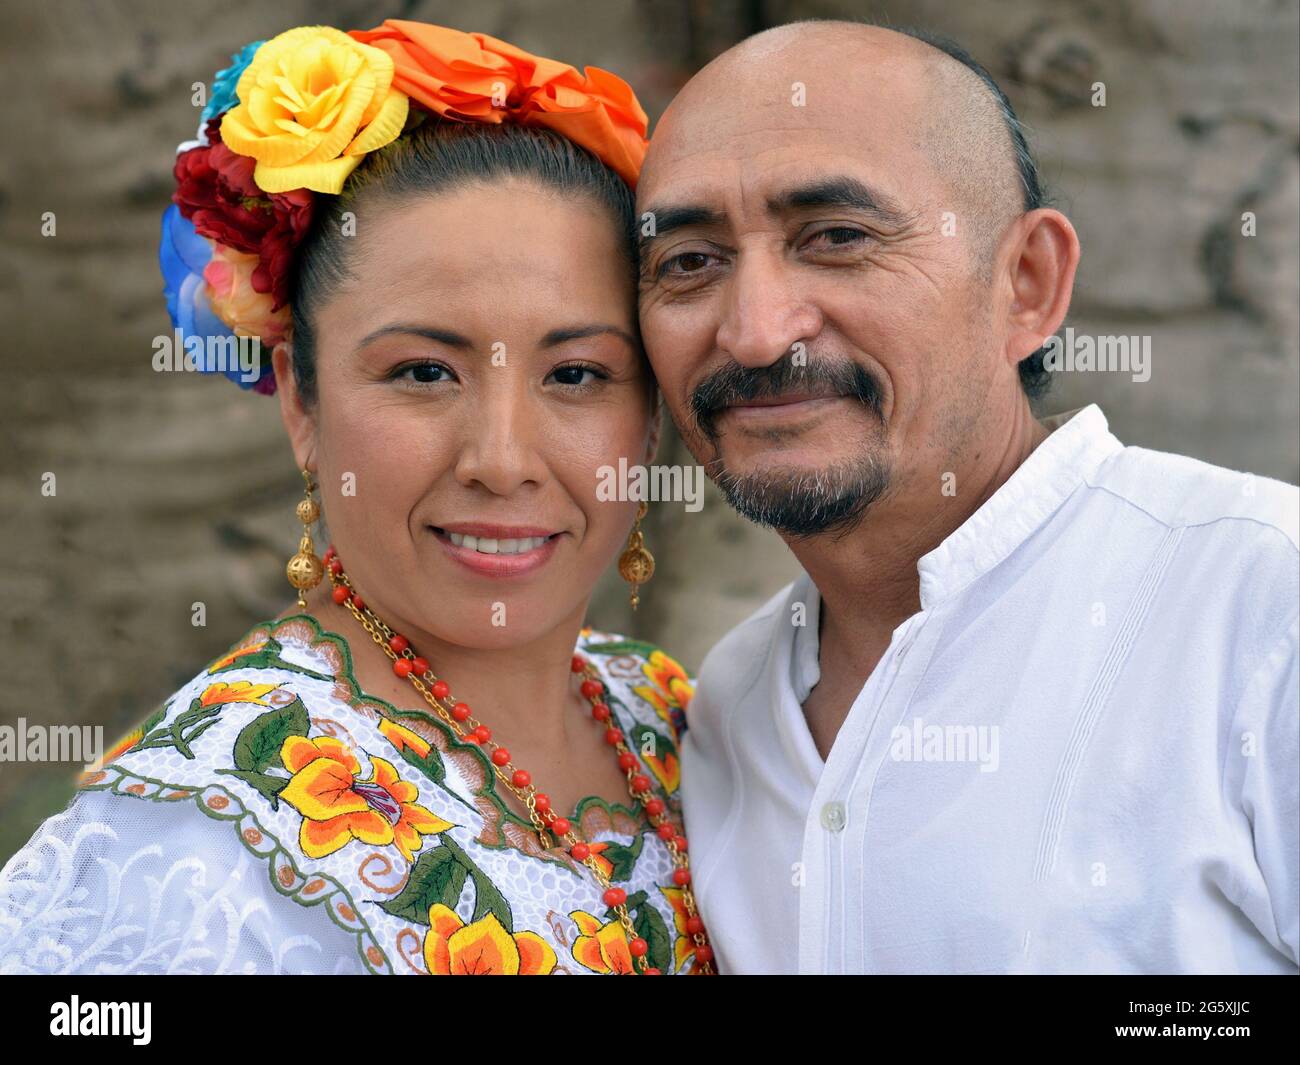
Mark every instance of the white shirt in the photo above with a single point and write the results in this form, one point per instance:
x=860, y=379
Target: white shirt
x=1079, y=756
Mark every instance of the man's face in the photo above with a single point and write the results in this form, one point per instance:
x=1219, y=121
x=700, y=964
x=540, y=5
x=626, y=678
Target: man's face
x=821, y=336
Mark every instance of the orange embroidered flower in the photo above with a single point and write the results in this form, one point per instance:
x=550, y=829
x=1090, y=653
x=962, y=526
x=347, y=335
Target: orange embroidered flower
x=312, y=103
x=601, y=947
x=235, y=655
x=476, y=78
x=239, y=691
x=120, y=747
x=606, y=866
x=337, y=807
x=667, y=769
x=684, y=945
x=403, y=738
x=672, y=688
x=483, y=948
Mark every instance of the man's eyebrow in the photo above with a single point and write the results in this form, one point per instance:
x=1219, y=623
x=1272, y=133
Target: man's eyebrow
x=579, y=332
x=827, y=192
x=838, y=192
x=443, y=336
x=678, y=216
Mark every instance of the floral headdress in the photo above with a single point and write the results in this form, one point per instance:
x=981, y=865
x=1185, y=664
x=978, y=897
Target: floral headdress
x=292, y=117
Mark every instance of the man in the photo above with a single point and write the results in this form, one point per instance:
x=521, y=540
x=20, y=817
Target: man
x=1033, y=705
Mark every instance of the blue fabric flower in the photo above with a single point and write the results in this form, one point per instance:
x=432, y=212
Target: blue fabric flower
x=223, y=96
x=182, y=256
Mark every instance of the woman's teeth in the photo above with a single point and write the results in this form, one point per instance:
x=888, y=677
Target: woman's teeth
x=498, y=547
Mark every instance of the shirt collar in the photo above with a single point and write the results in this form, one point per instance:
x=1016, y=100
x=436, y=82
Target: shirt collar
x=805, y=667
x=1080, y=440
x=1078, y=443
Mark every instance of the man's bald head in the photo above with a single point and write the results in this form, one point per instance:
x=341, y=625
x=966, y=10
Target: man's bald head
x=963, y=121
x=918, y=90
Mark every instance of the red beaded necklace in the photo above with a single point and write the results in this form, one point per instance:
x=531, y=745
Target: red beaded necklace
x=408, y=665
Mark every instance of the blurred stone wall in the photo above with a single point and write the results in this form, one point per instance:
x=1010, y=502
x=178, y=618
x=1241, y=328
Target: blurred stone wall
x=180, y=490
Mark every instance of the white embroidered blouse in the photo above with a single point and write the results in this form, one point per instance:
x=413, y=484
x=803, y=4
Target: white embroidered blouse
x=271, y=817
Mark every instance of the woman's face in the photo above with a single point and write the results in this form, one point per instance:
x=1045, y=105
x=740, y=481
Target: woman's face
x=473, y=376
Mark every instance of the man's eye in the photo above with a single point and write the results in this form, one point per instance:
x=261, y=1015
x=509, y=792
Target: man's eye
x=839, y=236
x=688, y=262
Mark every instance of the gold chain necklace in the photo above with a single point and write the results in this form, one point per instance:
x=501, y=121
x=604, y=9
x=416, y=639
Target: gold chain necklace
x=466, y=727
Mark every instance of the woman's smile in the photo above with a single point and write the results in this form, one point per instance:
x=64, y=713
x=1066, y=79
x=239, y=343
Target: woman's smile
x=497, y=550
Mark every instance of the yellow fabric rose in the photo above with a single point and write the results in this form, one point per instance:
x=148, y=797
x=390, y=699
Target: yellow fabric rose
x=311, y=104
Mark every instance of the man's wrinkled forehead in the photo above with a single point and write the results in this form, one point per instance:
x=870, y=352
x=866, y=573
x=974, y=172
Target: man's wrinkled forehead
x=751, y=134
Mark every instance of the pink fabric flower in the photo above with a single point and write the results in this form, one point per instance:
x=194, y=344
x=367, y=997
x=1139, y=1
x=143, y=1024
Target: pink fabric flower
x=237, y=302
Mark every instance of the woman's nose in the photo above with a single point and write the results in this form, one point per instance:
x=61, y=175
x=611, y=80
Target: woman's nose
x=499, y=448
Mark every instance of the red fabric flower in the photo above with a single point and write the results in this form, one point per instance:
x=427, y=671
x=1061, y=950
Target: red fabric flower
x=215, y=190
x=293, y=212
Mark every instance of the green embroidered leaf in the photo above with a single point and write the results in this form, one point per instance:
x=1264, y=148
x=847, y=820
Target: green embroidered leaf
x=437, y=876
x=442, y=880
x=486, y=896
x=622, y=647
x=182, y=732
x=259, y=742
x=651, y=927
x=269, y=786
x=488, y=899
x=623, y=858
x=151, y=722
x=651, y=744
x=430, y=765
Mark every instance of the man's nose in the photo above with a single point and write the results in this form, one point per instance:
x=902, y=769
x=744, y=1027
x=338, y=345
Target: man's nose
x=765, y=313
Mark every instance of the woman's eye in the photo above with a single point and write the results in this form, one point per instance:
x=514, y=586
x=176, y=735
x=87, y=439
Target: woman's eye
x=573, y=375
x=425, y=373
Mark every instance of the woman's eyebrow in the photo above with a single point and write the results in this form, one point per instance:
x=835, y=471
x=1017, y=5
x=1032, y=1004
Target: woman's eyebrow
x=579, y=332
x=457, y=340
x=443, y=336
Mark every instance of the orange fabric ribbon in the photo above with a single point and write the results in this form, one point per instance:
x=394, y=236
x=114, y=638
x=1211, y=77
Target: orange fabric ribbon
x=471, y=77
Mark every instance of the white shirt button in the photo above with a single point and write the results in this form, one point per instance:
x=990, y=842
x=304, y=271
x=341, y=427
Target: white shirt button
x=834, y=817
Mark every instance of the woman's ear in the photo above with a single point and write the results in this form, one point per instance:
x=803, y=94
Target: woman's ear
x=299, y=419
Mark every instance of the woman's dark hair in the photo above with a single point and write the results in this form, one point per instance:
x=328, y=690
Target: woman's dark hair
x=437, y=156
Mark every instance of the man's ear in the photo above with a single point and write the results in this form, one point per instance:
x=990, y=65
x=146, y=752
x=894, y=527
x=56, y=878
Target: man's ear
x=1042, y=263
x=299, y=419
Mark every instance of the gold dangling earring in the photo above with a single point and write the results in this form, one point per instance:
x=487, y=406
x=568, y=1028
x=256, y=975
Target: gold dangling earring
x=305, y=570
x=636, y=565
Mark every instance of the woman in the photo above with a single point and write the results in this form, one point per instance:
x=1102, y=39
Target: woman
x=429, y=765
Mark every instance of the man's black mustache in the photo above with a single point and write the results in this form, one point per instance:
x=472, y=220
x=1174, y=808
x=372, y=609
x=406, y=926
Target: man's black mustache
x=735, y=384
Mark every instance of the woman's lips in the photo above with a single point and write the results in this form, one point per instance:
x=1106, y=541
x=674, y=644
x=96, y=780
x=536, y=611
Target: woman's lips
x=507, y=556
